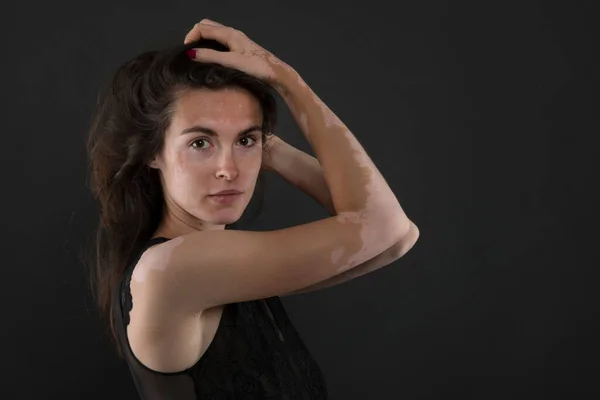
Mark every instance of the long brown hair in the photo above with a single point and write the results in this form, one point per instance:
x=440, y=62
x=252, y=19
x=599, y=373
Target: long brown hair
x=127, y=129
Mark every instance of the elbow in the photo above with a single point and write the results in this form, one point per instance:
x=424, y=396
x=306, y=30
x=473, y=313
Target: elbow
x=406, y=242
x=400, y=228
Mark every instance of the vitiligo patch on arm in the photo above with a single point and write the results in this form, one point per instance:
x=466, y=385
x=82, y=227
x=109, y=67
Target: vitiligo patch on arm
x=159, y=263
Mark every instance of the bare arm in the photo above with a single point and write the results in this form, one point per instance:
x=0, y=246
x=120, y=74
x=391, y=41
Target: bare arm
x=304, y=171
x=397, y=251
x=324, y=130
x=299, y=169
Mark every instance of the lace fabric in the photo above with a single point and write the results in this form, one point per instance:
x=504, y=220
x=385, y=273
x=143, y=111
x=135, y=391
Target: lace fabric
x=256, y=354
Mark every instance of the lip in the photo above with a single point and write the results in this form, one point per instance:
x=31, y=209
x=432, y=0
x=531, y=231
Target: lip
x=228, y=198
x=225, y=193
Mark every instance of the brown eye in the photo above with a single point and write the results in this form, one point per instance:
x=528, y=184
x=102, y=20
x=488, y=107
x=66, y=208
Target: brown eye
x=198, y=141
x=245, y=138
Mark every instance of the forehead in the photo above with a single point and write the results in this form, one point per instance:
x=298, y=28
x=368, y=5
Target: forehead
x=224, y=105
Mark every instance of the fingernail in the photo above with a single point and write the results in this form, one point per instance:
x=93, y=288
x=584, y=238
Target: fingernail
x=191, y=53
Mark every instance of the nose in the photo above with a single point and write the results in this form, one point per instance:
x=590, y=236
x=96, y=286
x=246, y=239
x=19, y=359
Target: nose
x=227, y=166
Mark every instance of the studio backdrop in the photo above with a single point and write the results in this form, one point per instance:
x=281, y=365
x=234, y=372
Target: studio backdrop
x=478, y=115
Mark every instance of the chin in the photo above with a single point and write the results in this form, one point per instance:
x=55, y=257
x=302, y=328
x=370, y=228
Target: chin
x=225, y=218
x=221, y=215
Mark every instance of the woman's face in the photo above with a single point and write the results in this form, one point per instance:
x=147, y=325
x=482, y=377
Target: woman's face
x=214, y=143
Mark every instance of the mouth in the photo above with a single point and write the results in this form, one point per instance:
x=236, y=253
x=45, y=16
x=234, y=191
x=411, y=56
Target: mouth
x=226, y=192
x=226, y=197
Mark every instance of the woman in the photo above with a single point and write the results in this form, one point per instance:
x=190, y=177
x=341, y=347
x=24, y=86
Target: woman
x=176, y=149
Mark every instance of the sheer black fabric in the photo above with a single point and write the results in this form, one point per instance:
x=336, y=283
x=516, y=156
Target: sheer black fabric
x=256, y=354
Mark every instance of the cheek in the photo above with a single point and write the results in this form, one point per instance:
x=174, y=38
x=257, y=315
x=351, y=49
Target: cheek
x=256, y=163
x=190, y=162
x=190, y=170
x=251, y=159
x=183, y=161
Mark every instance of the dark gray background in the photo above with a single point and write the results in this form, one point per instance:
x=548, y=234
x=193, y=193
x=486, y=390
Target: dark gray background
x=479, y=114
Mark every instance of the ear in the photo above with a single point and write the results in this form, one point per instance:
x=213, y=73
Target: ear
x=153, y=163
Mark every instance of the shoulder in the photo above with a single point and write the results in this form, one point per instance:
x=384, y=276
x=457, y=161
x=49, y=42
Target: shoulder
x=145, y=273
x=155, y=325
x=148, y=270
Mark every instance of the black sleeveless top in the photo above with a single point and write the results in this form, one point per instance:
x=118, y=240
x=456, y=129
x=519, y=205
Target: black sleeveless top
x=256, y=354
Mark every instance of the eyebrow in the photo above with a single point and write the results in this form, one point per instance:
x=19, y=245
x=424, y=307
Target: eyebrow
x=211, y=132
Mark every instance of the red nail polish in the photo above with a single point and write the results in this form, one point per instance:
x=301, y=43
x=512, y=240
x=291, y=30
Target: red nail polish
x=191, y=53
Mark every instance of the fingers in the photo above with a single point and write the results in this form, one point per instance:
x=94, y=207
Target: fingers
x=222, y=34
x=210, y=22
x=227, y=59
x=196, y=32
x=192, y=35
